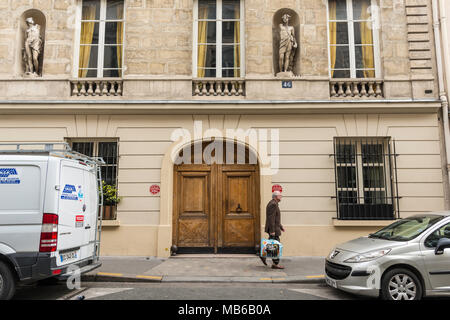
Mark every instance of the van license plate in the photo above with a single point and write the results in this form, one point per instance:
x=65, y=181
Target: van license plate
x=68, y=256
x=331, y=282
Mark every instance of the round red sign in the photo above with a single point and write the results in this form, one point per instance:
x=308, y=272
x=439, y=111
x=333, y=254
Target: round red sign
x=277, y=187
x=154, y=189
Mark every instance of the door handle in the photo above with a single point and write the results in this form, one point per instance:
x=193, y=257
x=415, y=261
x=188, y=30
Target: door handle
x=87, y=227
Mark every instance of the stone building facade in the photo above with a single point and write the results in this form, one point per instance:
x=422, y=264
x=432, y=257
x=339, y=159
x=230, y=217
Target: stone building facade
x=158, y=89
x=442, y=27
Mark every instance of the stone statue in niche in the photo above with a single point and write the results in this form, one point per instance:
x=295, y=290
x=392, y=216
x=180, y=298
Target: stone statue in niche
x=288, y=46
x=33, y=48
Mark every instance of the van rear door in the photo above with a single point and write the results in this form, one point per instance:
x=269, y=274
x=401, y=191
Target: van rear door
x=90, y=197
x=71, y=228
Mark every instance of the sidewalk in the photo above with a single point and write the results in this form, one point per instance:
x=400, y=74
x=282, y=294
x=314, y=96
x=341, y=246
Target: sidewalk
x=207, y=268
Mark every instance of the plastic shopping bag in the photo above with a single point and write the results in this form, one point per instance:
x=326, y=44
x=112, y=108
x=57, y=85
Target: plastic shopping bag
x=272, y=249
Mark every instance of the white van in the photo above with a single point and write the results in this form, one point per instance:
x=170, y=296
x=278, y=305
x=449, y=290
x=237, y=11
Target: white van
x=50, y=214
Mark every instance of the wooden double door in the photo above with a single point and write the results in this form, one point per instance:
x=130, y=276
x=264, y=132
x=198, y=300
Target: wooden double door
x=216, y=208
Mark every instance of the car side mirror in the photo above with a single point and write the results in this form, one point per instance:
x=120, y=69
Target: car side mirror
x=442, y=244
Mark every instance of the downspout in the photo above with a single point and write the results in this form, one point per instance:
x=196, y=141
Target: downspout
x=438, y=28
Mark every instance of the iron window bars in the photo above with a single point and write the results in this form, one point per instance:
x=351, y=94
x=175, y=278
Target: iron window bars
x=366, y=178
x=106, y=150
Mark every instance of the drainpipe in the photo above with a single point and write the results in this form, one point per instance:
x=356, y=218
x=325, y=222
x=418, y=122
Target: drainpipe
x=438, y=30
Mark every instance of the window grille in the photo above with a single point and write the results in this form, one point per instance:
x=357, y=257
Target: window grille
x=366, y=178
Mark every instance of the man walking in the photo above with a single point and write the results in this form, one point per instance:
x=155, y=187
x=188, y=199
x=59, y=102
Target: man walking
x=273, y=224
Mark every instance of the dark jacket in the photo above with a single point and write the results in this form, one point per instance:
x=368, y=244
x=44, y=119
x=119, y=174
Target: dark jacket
x=273, y=218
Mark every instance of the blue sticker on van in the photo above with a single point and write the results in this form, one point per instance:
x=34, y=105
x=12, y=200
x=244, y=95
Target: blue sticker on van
x=9, y=176
x=80, y=193
x=69, y=192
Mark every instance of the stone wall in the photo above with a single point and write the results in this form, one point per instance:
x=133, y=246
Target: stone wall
x=158, y=37
x=313, y=36
x=421, y=47
x=60, y=24
x=407, y=48
x=393, y=40
x=159, y=43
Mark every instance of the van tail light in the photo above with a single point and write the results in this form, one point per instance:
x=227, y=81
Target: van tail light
x=49, y=233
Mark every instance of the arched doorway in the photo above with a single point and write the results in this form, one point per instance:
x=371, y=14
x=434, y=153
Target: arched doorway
x=216, y=199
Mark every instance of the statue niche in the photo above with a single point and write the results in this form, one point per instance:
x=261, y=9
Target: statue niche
x=32, y=38
x=285, y=43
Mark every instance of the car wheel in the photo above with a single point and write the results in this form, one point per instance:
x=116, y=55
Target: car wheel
x=401, y=284
x=7, y=282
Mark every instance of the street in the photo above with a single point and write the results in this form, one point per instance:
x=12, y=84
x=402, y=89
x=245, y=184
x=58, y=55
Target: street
x=181, y=291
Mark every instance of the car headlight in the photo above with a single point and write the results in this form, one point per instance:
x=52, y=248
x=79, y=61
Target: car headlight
x=369, y=256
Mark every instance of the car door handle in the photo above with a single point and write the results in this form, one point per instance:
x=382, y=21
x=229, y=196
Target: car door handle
x=87, y=227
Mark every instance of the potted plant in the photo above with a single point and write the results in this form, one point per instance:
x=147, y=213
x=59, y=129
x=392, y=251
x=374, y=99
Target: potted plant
x=110, y=201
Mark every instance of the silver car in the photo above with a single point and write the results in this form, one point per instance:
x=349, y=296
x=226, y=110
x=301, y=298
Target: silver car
x=406, y=260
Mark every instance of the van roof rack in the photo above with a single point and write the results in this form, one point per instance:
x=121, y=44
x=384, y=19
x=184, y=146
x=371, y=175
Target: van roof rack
x=61, y=149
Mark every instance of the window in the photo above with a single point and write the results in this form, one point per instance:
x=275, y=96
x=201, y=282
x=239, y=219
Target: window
x=353, y=44
x=364, y=181
x=218, y=26
x=407, y=229
x=101, y=39
x=105, y=149
x=433, y=239
x=108, y=151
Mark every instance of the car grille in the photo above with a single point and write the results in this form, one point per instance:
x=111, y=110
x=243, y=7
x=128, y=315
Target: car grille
x=337, y=271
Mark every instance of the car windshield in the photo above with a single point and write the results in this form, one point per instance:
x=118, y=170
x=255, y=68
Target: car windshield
x=407, y=229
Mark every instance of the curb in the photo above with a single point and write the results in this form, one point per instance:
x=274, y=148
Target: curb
x=111, y=277
x=102, y=277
